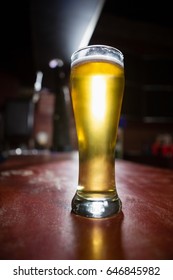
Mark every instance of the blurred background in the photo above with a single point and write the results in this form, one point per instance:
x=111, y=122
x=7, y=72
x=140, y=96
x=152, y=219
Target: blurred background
x=37, y=40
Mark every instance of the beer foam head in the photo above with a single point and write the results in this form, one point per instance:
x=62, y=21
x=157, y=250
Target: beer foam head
x=97, y=53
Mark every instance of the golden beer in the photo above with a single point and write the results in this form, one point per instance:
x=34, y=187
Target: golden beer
x=97, y=85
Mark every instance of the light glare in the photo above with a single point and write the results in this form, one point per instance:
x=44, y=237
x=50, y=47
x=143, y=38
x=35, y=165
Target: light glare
x=98, y=102
x=56, y=63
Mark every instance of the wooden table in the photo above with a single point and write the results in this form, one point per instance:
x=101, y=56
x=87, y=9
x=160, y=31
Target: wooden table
x=36, y=220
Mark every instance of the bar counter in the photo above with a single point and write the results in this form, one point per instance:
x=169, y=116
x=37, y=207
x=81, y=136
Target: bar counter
x=36, y=222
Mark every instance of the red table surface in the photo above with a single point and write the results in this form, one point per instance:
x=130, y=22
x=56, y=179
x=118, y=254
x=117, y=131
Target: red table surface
x=36, y=222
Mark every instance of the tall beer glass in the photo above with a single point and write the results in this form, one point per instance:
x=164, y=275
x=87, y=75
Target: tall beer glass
x=97, y=85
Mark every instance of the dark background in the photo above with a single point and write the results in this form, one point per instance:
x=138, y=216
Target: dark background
x=34, y=32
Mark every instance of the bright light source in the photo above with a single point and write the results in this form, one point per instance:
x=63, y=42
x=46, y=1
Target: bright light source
x=56, y=62
x=39, y=77
x=18, y=151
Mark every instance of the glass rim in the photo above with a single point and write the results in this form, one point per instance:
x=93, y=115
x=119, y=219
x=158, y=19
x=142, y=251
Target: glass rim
x=120, y=60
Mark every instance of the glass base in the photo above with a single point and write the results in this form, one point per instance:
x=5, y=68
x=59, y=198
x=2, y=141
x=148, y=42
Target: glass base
x=96, y=208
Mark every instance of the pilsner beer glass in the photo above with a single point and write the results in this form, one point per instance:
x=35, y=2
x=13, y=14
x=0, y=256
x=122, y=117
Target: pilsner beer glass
x=97, y=86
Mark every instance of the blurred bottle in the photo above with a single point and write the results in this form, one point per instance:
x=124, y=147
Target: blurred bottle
x=119, y=150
